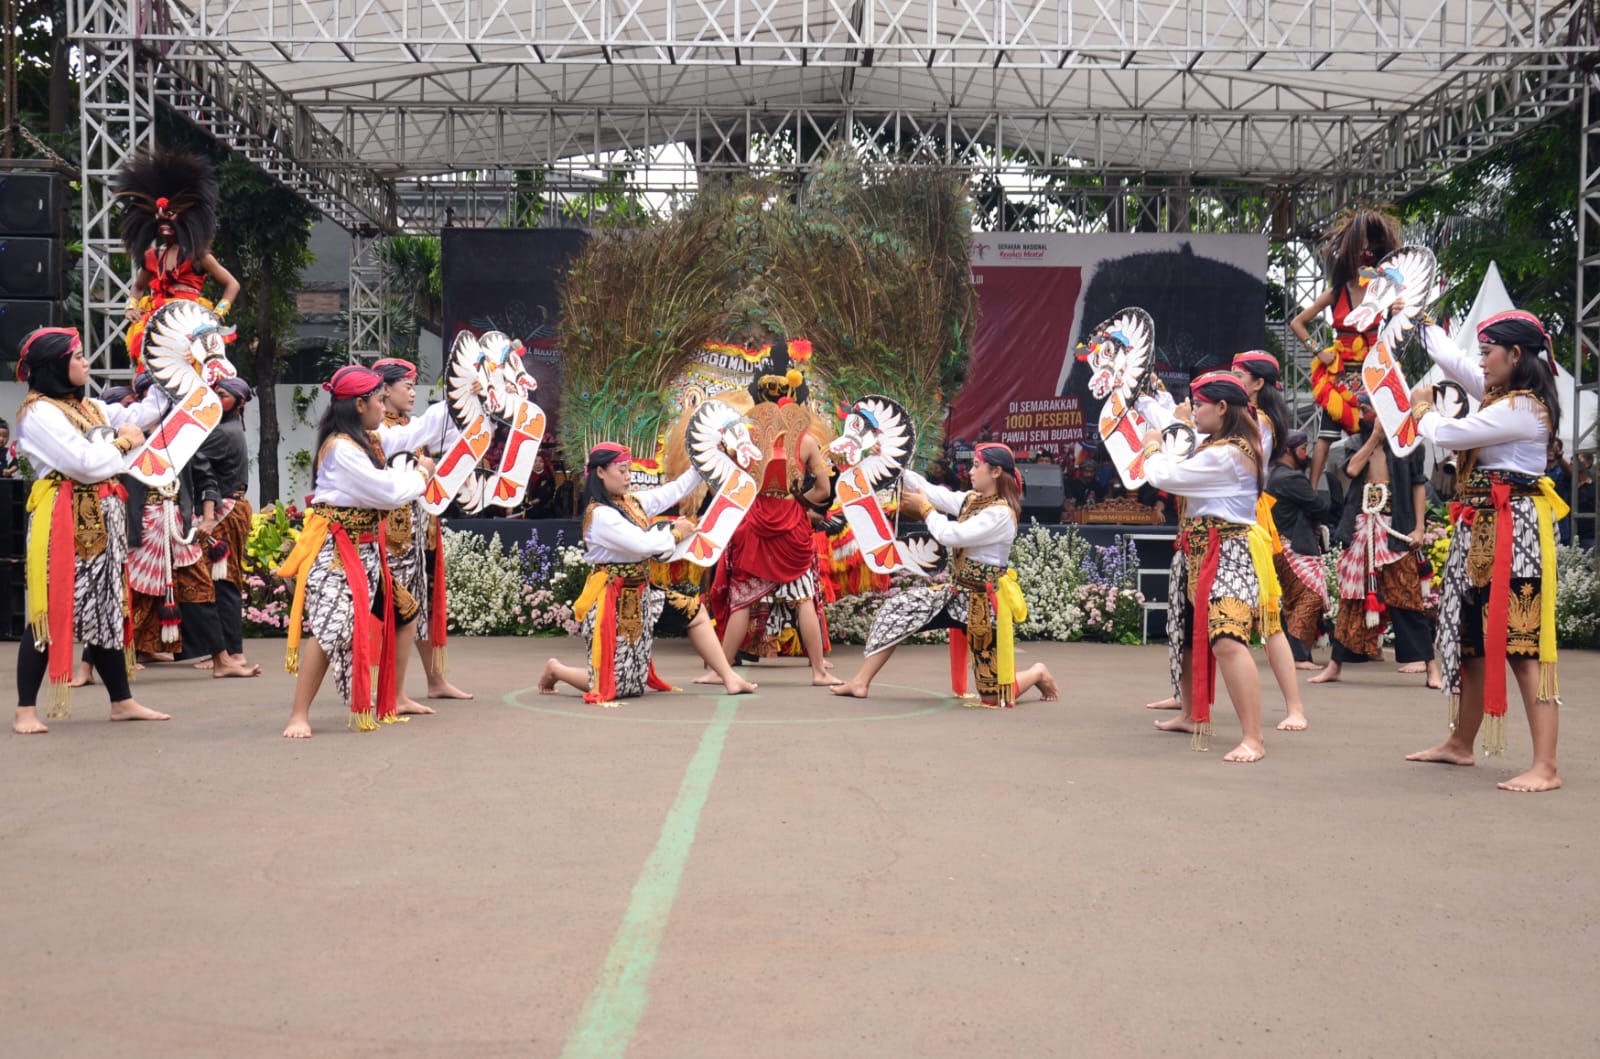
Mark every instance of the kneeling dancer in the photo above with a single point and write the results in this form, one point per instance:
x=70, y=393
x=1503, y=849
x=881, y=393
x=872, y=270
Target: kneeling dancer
x=982, y=599
x=1214, y=593
x=77, y=546
x=1498, y=598
x=621, y=603
x=339, y=565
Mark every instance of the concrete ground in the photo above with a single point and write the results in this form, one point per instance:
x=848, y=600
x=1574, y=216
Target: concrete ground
x=791, y=874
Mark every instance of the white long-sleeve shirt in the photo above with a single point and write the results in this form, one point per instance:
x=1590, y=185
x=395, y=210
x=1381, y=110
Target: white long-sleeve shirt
x=433, y=431
x=985, y=536
x=612, y=538
x=53, y=445
x=1217, y=480
x=346, y=478
x=1510, y=435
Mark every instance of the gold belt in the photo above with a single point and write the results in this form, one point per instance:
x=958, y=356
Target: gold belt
x=356, y=520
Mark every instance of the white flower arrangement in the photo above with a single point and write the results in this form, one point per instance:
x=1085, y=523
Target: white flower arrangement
x=1577, y=597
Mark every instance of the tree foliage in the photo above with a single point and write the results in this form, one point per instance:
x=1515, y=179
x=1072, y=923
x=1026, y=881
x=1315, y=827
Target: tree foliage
x=1516, y=206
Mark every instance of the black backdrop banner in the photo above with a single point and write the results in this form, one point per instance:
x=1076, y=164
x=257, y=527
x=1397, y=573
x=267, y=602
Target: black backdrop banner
x=506, y=279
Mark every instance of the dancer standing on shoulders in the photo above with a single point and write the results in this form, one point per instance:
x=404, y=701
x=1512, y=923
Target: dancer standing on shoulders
x=1360, y=239
x=1379, y=581
x=416, y=552
x=1499, y=592
x=1214, y=593
x=77, y=582
x=620, y=605
x=981, y=601
x=338, y=562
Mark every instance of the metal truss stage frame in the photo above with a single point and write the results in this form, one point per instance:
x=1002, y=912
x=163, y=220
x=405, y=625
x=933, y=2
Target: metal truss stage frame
x=1144, y=115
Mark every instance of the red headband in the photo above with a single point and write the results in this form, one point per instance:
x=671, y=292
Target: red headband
x=611, y=448
x=1517, y=328
x=977, y=454
x=353, y=380
x=1261, y=358
x=396, y=362
x=1223, y=384
x=22, y=354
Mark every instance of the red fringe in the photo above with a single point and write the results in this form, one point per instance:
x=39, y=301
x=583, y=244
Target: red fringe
x=361, y=603
x=63, y=577
x=653, y=682
x=1203, y=665
x=958, y=661
x=438, y=617
x=388, y=692
x=605, y=627
x=1498, y=617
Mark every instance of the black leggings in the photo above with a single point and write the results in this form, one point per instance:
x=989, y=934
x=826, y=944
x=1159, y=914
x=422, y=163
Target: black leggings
x=230, y=616
x=33, y=665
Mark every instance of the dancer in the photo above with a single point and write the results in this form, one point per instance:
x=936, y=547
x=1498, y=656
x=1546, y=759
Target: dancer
x=622, y=599
x=1297, y=509
x=338, y=562
x=169, y=221
x=1499, y=589
x=1257, y=372
x=76, y=582
x=1360, y=239
x=1214, y=592
x=981, y=600
x=772, y=551
x=1378, y=576
x=416, y=554
x=222, y=474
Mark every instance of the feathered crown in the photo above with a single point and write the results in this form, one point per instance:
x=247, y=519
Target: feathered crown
x=182, y=185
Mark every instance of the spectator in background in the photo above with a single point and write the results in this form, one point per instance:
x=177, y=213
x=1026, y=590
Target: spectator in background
x=1585, y=489
x=1559, y=470
x=8, y=462
x=1081, y=488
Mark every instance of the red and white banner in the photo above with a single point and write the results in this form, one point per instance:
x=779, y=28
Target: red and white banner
x=1040, y=294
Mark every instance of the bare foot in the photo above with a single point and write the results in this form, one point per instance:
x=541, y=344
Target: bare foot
x=1245, y=753
x=298, y=730
x=1329, y=674
x=707, y=677
x=547, y=680
x=407, y=704
x=1443, y=754
x=231, y=670
x=1435, y=678
x=130, y=710
x=82, y=675
x=1179, y=723
x=824, y=679
x=1295, y=722
x=1412, y=667
x=1049, y=690
x=851, y=688
x=27, y=722
x=737, y=685
x=443, y=689
x=204, y=663
x=1306, y=665
x=1164, y=704
x=1533, y=781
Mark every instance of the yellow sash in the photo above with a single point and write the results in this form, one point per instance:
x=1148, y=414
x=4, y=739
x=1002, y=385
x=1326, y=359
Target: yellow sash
x=1011, y=607
x=1551, y=509
x=297, y=566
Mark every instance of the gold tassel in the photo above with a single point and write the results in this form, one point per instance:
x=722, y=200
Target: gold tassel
x=291, y=661
x=394, y=718
x=130, y=661
x=1549, y=688
x=1494, y=735
x=363, y=722
x=1455, y=710
x=439, y=661
x=60, y=701
x=1200, y=740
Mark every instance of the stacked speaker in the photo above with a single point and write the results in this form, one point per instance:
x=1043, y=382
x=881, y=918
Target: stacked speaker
x=33, y=258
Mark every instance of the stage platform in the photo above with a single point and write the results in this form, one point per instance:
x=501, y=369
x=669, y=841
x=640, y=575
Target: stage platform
x=789, y=874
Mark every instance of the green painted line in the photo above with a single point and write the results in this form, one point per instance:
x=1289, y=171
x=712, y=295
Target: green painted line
x=611, y=1015
x=514, y=698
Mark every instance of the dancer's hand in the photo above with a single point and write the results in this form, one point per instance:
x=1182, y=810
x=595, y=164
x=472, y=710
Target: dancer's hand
x=1422, y=393
x=1184, y=412
x=425, y=464
x=1152, y=437
x=131, y=433
x=914, y=504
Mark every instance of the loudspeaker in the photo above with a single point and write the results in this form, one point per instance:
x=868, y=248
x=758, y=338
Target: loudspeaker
x=1043, y=491
x=14, y=518
x=18, y=319
x=32, y=203
x=30, y=267
x=13, y=595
